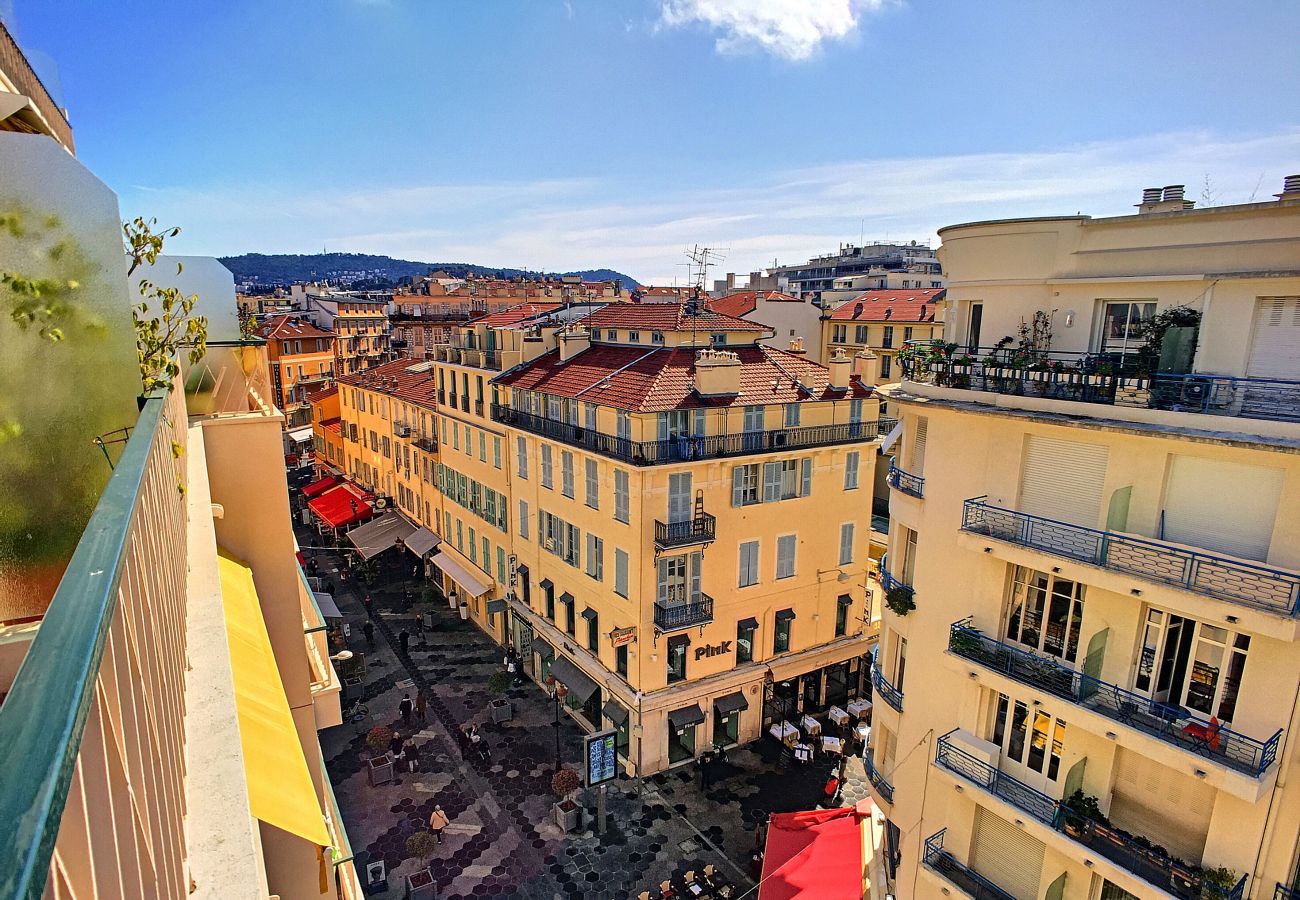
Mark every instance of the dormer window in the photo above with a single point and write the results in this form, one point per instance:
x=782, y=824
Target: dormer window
x=611, y=335
x=634, y=337
x=719, y=339
x=656, y=337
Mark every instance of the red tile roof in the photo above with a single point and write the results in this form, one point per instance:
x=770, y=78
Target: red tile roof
x=741, y=303
x=889, y=306
x=281, y=327
x=323, y=394
x=516, y=314
x=666, y=317
x=641, y=380
x=333, y=425
x=394, y=379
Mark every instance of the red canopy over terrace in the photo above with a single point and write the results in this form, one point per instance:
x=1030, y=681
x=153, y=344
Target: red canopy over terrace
x=813, y=854
x=342, y=505
x=316, y=488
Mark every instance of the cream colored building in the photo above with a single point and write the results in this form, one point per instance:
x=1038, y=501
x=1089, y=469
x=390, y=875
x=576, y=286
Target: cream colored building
x=1095, y=694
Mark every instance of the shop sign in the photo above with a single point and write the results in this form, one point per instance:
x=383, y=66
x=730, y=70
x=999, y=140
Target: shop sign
x=712, y=650
x=621, y=636
x=601, y=756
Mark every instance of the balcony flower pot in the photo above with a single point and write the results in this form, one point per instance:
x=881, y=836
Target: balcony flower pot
x=420, y=886
x=567, y=815
x=500, y=710
x=380, y=770
x=1135, y=384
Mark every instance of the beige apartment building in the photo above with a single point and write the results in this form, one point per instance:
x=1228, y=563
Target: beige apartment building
x=1088, y=669
x=883, y=322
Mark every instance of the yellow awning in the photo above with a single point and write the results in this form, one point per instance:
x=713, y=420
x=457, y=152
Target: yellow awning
x=280, y=789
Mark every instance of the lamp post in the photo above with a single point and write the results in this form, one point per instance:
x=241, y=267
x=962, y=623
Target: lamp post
x=560, y=693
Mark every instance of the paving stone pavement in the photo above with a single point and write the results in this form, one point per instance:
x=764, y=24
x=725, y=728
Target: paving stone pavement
x=502, y=841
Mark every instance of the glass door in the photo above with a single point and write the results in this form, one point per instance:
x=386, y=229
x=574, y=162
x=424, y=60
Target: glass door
x=681, y=743
x=1032, y=742
x=726, y=729
x=1191, y=664
x=1045, y=613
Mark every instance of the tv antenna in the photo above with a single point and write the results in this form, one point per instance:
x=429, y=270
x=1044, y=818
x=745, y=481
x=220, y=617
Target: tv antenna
x=698, y=260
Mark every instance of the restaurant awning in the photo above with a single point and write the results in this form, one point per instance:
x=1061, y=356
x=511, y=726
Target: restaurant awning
x=342, y=505
x=421, y=541
x=320, y=486
x=614, y=712
x=280, y=790
x=589, y=614
x=785, y=615
x=573, y=678
x=496, y=606
x=686, y=716
x=472, y=584
x=730, y=703
x=747, y=624
x=543, y=648
x=328, y=608
x=815, y=853
x=379, y=534
x=300, y=435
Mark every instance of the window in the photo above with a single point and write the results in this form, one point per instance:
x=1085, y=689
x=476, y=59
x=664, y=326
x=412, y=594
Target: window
x=501, y=565
x=1044, y=739
x=621, y=495
x=656, y=337
x=792, y=411
x=548, y=590
x=590, y=418
x=677, y=645
x=887, y=339
x=744, y=485
x=469, y=450
x=907, y=333
x=620, y=572
x=570, y=617
x=851, y=470
x=620, y=660
x=748, y=563
x=839, y=334
x=482, y=446
x=548, y=473
x=566, y=473
x=785, y=550
x=460, y=536
x=781, y=634
x=754, y=419
x=595, y=557
x=611, y=335
x=1046, y=613
x=634, y=337
x=593, y=484
x=523, y=519
x=522, y=452
x=885, y=362
x=679, y=578
x=860, y=334
x=846, y=544
x=842, y=606
x=593, y=630
x=623, y=423
x=473, y=548
x=745, y=640
x=487, y=556
x=718, y=338
x=455, y=435
x=1124, y=326
x=787, y=479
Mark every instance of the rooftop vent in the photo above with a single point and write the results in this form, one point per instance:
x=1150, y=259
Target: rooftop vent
x=1290, y=188
x=1173, y=192
x=1151, y=195
x=1170, y=198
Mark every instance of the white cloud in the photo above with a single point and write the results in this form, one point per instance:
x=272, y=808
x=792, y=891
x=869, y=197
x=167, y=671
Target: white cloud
x=566, y=224
x=791, y=29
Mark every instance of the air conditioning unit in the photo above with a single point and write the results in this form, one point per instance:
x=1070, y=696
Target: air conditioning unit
x=1195, y=392
x=779, y=439
x=401, y=429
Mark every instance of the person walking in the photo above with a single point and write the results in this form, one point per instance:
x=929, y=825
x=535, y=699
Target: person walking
x=420, y=702
x=369, y=605
x=369, y=629
x=406, y=707
x=437, y=822
x=404, y=638
x=396, y=745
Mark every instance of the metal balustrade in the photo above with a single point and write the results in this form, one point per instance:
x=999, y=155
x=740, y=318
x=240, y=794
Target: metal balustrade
x=906, y=482
x=698, y=530
x=887, y=692
x=686, y=448
x=877, y=778
x=1232, y=580
x=890, y=582
x=966, y=878
x=1285, y=892
x=687, y=614
x=990, y=778
x=1172, y=724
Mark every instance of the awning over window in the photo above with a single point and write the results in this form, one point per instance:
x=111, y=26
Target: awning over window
x=546, y=584
x=573, y=678
x=730, y=703
x=328, y=608
x=615, y=712
x=890, y=439
x=316, y=488
x=589, y=614
x=280, y=789
x=472, y=584
x=379, y=534
x=342, y=505
x=496, y=606
x=785, y=615
x=300, y=435
x=747, y=624
x=543, y=648
x=421, y=541
x=686, y=716
x=566, y=598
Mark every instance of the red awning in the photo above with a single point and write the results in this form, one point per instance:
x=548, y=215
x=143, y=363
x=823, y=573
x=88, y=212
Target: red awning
x=813, y=854
x=342, y=505
x=316, y=488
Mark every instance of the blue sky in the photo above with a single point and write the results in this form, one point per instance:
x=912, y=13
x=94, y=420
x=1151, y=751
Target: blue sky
x=559, y=135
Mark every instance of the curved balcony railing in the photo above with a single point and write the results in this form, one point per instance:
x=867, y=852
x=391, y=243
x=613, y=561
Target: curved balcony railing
x=906, y=482
x=1222, y=578
x=676, y=616
x=686, y=448
x=971, y=882
x=877, y=778
x=889, y=582
x=699, y=530
x=886, y=691
x=1171, y=724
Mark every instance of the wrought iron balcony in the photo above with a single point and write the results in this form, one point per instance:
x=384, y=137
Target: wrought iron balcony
x=1220, y=577
x=699, y=530
x=474, y=357
x=889, y=582
x=906, y=482
x=1171, y=724
x=686, y=448
x=1284, y=892
x=980, y=773
x=966, y=878
x=676, y=616
x=886, y=691
x=427, y=442
x=877, y=778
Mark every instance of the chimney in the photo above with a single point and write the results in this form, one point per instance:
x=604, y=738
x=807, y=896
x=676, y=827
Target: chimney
x=796, y=347
x=573, y=342
x=866, y=368
x=840, y=366
x=1290, y=189
x=1167, y=199
x=717, y=373
x=731, y=282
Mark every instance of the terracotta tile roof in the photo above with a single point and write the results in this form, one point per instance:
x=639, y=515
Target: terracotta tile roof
x=516, y=314
x=642, y=380
x=332, y=425
x=742, y=303
x=666, y=317
x=323, y=394
x=281, y=327
x=397, y=380
x=889, y=306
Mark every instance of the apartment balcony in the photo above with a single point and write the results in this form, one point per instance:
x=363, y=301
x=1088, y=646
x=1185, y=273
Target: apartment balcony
x=401, y=429
x=877, y=779
x=686, y=448
x=426, y=442
x=1285, y=892
x=699, y=530
x=1109, y=380
x=899, y=480
x=1174, y=725
x=1132, y=853
x=886, y=691
x=966, y=879
x=889, y=582
x=462, y=354
x=1222, y=578
x=687, y=614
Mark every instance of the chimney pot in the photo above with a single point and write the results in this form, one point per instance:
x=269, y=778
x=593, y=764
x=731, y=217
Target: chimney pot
x=1151, y=195
x=1290, y=187
x=1173, y=192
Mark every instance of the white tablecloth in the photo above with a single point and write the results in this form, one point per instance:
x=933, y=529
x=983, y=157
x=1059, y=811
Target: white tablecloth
x=811, y=725
x=838, y=716
x=859, y=708
x=784, y=732
x=831, y=745
x=803, y=753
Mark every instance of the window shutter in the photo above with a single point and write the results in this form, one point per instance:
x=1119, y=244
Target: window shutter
x=771, y=482
x=663, y=426
x=695, y=575
x=699, y=423
x=846, y=543
x=806, y=489
x=738, y=486
x=663, y=580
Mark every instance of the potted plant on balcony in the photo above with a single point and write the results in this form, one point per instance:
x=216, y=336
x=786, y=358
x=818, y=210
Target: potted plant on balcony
x=567, y=812
x=899, y=600
x=499, y=707
x=419, y=884
x=966, y=641
x=1216, y=882
x=1078, y=809
x=380, y=766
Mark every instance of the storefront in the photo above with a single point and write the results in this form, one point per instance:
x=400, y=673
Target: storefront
x=620, y=721
x=682, y=726
x=726, y=718
x=523, y=643
x=545, y=656
x=584, y=697
x=812, y=693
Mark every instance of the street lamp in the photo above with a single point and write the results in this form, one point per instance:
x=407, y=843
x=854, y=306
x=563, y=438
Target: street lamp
x=560, y=693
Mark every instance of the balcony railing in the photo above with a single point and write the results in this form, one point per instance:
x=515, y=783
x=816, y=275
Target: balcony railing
x=889, y=582
x=428, y=443
x=676, y=616
x=886, y=691
x=699, y=530
x=1111, y=380
x=1233, y=580
x=966, y=878
x=1171, y=724
x=686, y=448
x=475, y=357
x=877, y=778
x=1284, y=892
x=990, y=778
x=906, y=482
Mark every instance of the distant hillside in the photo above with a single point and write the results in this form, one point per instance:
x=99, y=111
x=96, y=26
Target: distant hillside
x=288, y=268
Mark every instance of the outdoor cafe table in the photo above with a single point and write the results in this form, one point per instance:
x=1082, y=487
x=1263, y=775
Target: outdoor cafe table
x=859, y=708
x=832, y=745
x=803, y=753
x=785, y=733
x=863, y=732
x=838, y=716
x=811, y=726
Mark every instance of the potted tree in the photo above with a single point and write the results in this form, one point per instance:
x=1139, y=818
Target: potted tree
x=499, y=707
x=380, y=766
x=1079, y=809
x=567, y=812
x=899, y=600
x=419, y=884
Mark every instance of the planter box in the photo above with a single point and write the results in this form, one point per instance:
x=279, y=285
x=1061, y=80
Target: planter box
x=380, y=769
x=1095, y=379
x=1137, y=384
x=501, y=710
x=428, y=621
x=961, y=369
x=1038, y=376
x=567, y=815
x=420, y=886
